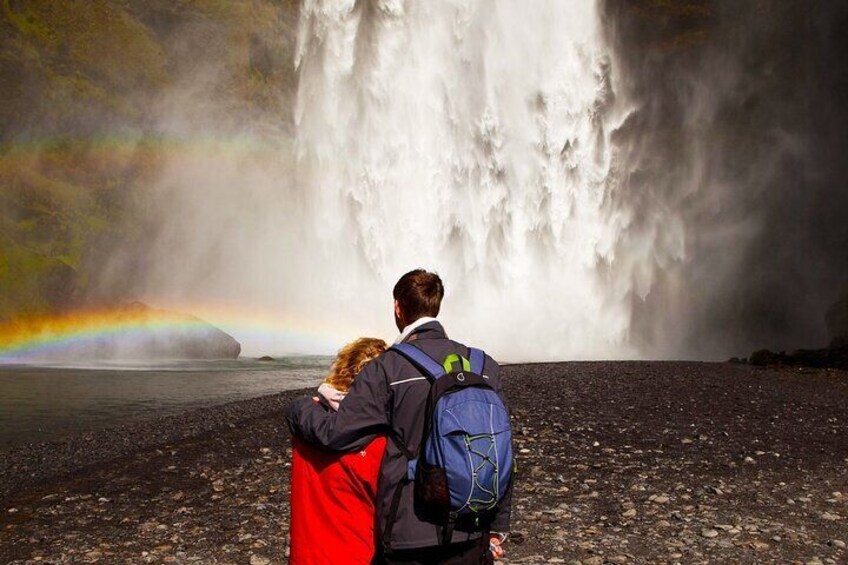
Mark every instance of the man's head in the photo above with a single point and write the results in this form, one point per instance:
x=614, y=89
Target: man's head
x=417, y=294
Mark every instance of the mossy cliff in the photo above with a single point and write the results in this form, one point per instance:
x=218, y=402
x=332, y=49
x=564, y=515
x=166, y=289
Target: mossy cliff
x=84, y=85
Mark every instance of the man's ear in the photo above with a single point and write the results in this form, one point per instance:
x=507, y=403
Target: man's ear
x=398, y=313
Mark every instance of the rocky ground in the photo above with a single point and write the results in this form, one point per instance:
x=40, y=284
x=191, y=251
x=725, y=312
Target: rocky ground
x=617, y=463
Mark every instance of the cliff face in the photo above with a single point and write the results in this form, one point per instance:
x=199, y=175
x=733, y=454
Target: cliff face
x=85, y=89
x=737, y=130
x=73, y=69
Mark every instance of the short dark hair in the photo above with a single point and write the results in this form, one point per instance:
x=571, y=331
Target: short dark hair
x=419, y=293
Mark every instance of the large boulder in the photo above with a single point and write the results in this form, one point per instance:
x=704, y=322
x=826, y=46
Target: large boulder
x=169, y=335
x=155, y=334
x=764, y=357
x=128, y=332
x=833, y=356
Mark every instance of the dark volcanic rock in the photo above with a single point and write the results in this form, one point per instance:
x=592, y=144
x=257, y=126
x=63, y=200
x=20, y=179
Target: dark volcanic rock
x=130, y=332
x=617, y=463
x=837, y=322
x=834, y=357
x=181, y=336
x=763, y=357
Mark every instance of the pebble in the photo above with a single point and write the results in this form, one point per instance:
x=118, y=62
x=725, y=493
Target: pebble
x=836, y=543
x=709, y=533
x=257, y=559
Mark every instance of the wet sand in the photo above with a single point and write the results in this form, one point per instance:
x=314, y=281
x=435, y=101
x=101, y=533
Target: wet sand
x=618, y=462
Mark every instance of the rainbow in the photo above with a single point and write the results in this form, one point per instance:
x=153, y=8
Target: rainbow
x=123, y=146
x=60, y=336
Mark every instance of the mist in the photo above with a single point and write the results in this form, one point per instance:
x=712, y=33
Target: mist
x=735, y=145
x=586, y=185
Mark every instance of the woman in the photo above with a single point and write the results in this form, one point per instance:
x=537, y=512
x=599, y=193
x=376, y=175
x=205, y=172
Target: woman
x=333, y=494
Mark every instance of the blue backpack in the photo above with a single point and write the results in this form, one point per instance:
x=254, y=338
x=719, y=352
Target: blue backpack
x=464, y=465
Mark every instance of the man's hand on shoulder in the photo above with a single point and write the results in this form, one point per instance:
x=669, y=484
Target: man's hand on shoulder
x=361, y=415
x=293, y=415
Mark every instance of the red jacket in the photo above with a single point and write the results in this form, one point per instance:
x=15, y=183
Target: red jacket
x=333, y=504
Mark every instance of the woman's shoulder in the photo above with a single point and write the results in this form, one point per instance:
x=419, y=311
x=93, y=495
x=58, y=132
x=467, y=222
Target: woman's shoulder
x=368, y=459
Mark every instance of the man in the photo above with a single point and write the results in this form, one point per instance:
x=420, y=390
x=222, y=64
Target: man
x=389, y=397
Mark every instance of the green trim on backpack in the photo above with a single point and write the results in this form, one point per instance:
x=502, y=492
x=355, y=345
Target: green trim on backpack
x=454, y=358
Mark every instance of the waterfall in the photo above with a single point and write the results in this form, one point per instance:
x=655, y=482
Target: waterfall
x=591, y=180
x=472, y=137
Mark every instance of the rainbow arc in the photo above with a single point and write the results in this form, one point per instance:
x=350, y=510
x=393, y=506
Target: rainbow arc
x=58, y=336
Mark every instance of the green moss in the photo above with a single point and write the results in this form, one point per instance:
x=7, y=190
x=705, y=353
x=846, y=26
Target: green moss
x=21, y=275
x=64, y=66
x=26, y=22
x=666, y=26
x=47, y=226
x=105, y=44
x=219, y=9
x=75, y=78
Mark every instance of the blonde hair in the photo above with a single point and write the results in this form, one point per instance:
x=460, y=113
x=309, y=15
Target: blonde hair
x=351, y=359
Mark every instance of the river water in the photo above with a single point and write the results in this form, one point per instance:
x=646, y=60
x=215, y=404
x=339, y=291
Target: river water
x=49, y=403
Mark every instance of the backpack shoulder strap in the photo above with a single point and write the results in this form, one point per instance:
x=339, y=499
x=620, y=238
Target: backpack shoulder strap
x=424, y=362
x=432, y=370
x=478, y=359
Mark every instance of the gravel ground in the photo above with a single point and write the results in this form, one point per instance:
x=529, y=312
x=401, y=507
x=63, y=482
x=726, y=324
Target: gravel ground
x=618, y=462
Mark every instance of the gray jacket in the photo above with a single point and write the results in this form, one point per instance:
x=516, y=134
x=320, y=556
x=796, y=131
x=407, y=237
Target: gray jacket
x=388, y=397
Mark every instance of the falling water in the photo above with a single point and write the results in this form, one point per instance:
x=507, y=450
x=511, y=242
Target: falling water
x=590, y=180
x=471, y=137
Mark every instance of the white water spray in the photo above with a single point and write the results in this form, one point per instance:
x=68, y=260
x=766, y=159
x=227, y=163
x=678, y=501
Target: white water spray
x=471, y=137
